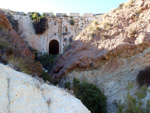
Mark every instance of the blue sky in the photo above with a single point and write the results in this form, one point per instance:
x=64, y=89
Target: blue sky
x=62, y=6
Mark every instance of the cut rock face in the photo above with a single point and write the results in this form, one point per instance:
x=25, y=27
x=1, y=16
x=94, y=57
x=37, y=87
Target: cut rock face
x=20, y=93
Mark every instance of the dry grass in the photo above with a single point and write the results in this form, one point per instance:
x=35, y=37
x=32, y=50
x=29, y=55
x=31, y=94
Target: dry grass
x=20, y=64
x=132, y=29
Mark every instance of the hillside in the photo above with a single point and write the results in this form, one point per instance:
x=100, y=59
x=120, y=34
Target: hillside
x=118, y=33
x=110, y=52
x=5, y=24
x=8, y=11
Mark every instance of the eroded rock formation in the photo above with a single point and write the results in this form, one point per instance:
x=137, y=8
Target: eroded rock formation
x=121, y=33
x=111, y=51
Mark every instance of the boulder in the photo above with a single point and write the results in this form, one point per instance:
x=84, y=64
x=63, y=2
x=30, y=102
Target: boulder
x=20, y=93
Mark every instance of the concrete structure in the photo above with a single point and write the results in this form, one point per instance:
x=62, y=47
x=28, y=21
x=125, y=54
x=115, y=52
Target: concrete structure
x=75, y=14
x=48, y=14
x=88, y=14
x=20, y=13
x=59, y=14
x=58, y=35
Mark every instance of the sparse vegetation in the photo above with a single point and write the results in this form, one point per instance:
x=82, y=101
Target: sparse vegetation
x=67, y=85
x=90, y=95
x=93, y=28
x=107, y=25
x=132, y=30
x=135, y=104
x=40, y=24
x=130, y=85
x=46, y=77
x=121, y=6
x=128, y=4
x=47, y=60
x=65, y=15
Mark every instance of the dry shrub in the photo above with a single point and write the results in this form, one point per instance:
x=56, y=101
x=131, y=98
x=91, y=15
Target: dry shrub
x=128, y=4
x=93, y=28
x=25, y=65
x=132, y=30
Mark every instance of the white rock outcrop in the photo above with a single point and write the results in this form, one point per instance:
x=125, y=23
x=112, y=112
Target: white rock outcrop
x=20, y=93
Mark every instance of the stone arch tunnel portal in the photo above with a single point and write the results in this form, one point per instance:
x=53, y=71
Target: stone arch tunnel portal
x=54, y=47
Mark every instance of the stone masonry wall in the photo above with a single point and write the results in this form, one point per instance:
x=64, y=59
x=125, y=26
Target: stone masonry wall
x=59, y=29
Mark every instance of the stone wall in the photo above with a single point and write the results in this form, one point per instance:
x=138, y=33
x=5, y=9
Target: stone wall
x=59, y=29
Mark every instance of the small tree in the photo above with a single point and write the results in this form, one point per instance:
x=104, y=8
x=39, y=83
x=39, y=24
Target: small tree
x=39, y=23
x=71, y=22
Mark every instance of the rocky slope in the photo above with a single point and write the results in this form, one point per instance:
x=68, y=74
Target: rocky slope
x=20, y=93
x=118, y=33
x=111, y=51
x=19, y=43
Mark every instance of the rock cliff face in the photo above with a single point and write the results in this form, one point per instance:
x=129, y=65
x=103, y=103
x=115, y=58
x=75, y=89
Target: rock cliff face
x=111, y=51
x=122, y=32
x=20, y=93
x=16, y=38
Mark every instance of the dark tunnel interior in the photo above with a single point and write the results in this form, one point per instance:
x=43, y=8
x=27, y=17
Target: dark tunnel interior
x=54, y=47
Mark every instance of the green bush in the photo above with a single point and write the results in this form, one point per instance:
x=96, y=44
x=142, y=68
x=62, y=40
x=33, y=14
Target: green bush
x=40, y=24
x=90, y=95
x=71, y=22
x=65, y=15
x=67, y=85
x=47, y=61
x=46, y=77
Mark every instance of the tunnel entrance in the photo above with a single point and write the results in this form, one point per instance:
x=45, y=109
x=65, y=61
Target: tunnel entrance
x=54, y=47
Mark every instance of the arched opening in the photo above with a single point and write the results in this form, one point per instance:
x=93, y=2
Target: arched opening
x=54, y=47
